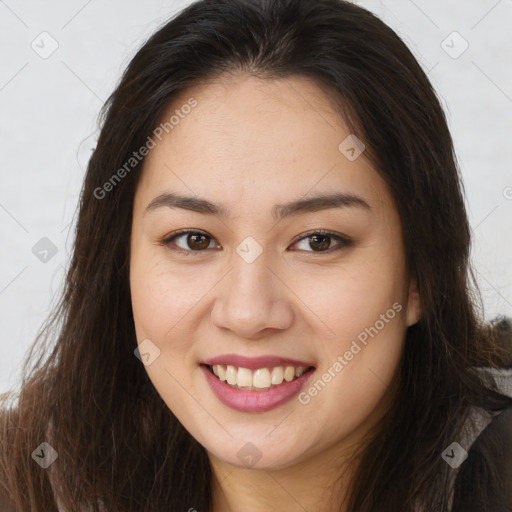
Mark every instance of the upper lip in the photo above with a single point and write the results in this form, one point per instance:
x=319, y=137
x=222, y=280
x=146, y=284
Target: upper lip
x=253, y=363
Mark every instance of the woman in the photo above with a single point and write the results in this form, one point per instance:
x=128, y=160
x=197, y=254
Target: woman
x=271, y=231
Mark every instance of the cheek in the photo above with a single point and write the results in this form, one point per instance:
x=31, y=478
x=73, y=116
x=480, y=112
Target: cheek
x=360, y=319
x=359, y=361
x=161, y=295
x=353, y=297
x=364, y=327
x=163, y=301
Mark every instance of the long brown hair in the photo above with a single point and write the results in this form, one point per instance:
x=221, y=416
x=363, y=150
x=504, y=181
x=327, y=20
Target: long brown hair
x=86, y=394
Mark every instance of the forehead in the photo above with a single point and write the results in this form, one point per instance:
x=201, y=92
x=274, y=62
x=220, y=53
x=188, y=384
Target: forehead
x=247, y=136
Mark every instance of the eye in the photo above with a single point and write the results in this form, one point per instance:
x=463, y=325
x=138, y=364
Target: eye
x=190, y=241
x=321, y=241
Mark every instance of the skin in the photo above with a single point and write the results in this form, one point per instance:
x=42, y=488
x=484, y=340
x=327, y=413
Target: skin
x=248, y=145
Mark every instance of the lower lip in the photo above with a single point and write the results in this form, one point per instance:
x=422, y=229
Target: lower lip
x=255, y=401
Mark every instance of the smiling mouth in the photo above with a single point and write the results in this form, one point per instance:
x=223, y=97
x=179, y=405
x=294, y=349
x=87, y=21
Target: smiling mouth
x=260, y=379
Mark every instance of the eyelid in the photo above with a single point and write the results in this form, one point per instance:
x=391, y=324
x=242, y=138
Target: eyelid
x=345, y=241
x=166, y=241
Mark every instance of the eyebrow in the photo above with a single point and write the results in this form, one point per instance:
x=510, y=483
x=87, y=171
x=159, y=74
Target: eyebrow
x=279, y=211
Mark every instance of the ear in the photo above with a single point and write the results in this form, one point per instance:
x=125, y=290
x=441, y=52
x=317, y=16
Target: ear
x=413, y=311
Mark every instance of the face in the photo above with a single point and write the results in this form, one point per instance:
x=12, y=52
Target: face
x=275, y=307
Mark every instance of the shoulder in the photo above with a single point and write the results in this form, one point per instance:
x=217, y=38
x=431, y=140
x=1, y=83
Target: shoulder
x=484, y=480
x=503, y=379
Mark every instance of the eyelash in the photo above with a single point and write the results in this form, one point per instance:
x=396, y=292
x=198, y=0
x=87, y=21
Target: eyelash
x=344, y=241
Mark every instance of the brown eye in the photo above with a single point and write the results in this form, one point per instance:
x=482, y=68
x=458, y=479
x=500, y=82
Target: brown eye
x=198, y=242
x=322, y=242
x=319, y=242
x=188, y=241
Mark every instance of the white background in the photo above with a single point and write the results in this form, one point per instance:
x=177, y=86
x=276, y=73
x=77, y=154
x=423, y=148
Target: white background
x=49, y=109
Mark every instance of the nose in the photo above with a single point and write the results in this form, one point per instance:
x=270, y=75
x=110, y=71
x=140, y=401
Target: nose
x=252, y=300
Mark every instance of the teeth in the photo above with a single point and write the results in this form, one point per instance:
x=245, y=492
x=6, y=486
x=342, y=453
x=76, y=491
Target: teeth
x=221, y=371
x=231, y=373
x=289, y=373
x=260, y=379
x=244, y=377
x=277, y=375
